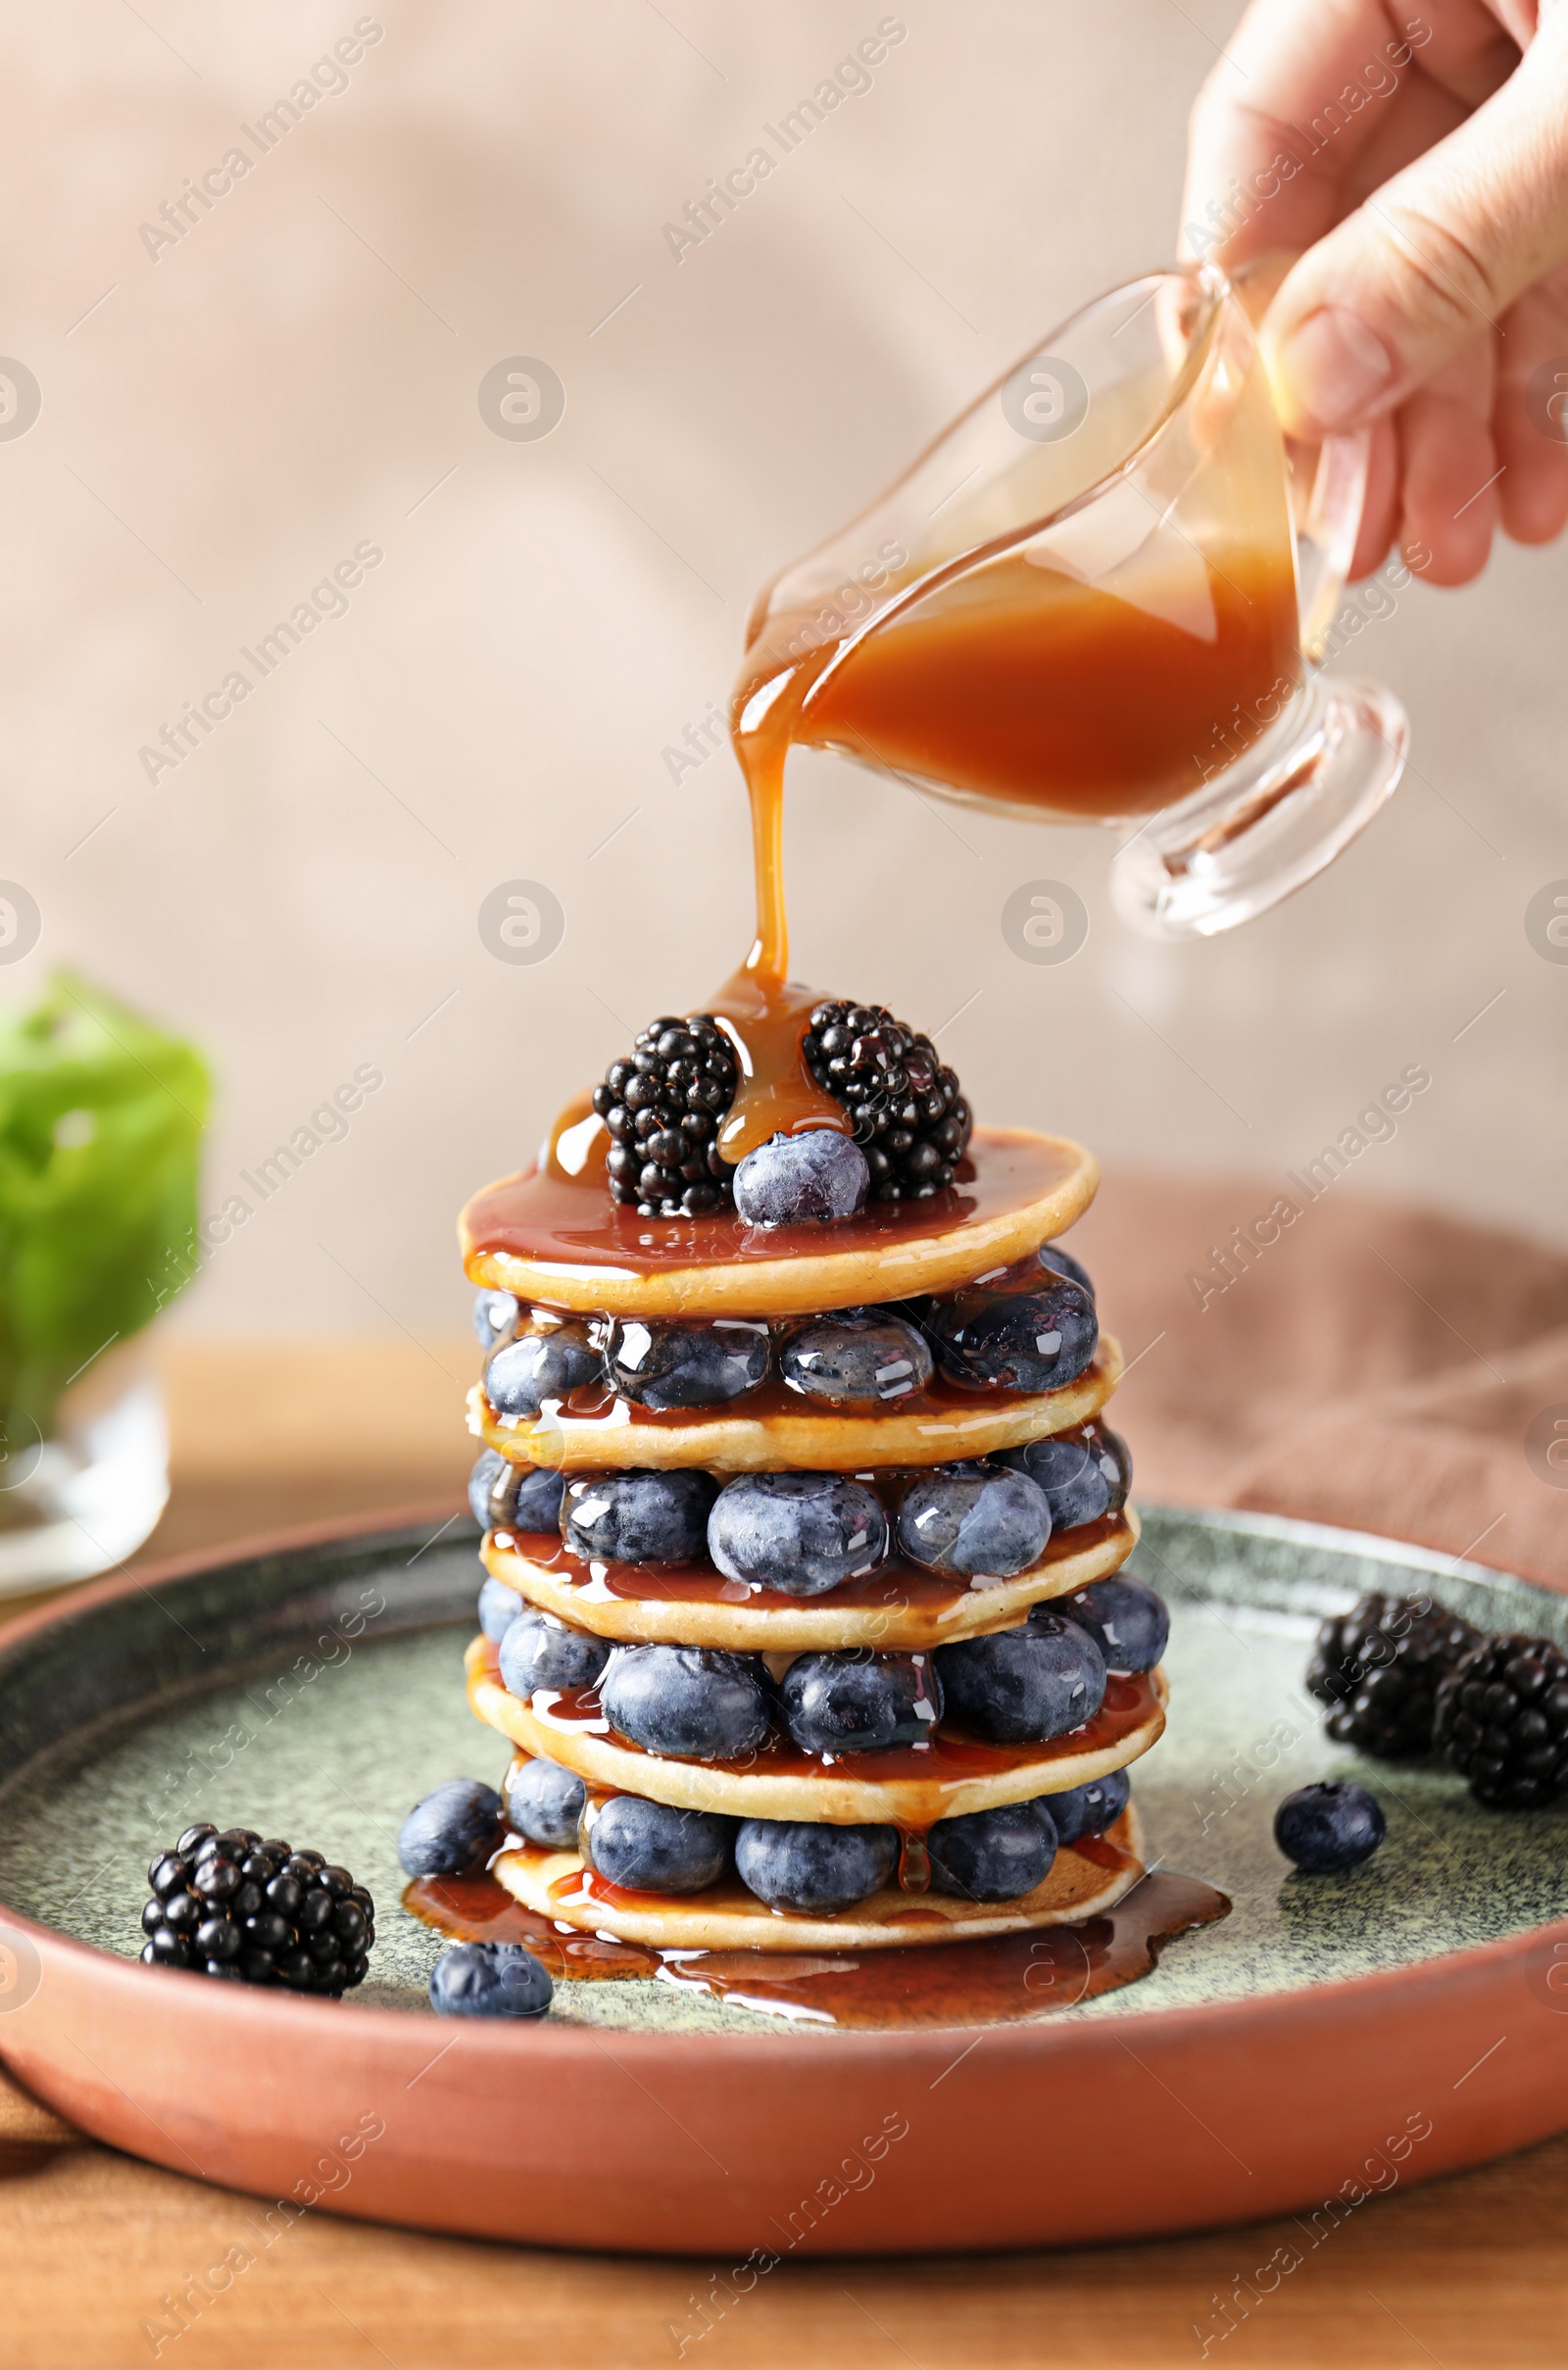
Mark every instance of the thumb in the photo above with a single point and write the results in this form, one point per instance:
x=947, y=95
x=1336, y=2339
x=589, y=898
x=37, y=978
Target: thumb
x=1435, y=254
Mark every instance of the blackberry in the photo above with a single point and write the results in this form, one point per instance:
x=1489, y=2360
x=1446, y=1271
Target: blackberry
x=662, y=1106
x=252, y=1911
x=910, y=1120
x=1502, y=1721
x=1379, y=1667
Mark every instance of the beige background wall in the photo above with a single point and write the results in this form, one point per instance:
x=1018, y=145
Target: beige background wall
x=298, y=375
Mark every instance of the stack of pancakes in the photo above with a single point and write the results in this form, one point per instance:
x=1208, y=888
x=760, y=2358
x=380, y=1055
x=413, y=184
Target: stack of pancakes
x=558, y=1447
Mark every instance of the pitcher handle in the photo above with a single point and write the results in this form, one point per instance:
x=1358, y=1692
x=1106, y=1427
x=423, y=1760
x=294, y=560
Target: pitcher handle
x=1327, y=481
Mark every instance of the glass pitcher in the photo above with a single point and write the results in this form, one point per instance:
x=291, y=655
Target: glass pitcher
x=1102, y=595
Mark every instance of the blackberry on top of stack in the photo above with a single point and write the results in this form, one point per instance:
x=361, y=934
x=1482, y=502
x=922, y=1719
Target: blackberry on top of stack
x=663, y=1106
x=803, y=1526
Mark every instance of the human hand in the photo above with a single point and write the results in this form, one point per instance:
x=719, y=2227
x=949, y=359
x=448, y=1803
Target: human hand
x=1421, y=161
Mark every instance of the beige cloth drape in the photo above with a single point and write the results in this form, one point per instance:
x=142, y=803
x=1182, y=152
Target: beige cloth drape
x=1378, y=1368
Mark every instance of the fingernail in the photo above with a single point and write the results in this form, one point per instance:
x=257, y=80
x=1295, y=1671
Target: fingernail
x=1334, y=367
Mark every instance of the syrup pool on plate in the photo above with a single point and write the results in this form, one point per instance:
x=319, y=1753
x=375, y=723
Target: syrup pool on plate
x=999, y=1980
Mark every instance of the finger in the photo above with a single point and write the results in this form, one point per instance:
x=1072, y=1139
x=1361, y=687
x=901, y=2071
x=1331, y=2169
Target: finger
x=1424, y=114
x=1308, y=105
x=1535, y=489
x=1438, y=254
x=1380, y=510
x=1530, y=414
x=1254, y=181
x=1448, y=468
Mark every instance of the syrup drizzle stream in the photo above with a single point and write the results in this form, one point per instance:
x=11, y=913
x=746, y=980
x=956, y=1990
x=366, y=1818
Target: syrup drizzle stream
x=914, y=1860
x=765, y=1018
x=767, y=1012
x=764, y=1014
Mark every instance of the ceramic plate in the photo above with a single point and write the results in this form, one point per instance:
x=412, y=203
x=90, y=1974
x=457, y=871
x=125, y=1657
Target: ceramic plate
x=1331, y=2037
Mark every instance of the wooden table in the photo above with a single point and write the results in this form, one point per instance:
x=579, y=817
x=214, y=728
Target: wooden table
x=1470, y=2271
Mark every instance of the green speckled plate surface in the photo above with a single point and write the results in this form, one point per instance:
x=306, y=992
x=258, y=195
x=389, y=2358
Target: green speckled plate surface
x=319, y=1694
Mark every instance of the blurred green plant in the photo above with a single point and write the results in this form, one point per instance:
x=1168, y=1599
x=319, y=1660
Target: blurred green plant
x=101, y=1120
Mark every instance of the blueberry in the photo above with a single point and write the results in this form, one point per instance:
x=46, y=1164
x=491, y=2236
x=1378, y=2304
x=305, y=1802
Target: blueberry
x=795, y=1180
x=514, y=1497
x=638, y=1517
x=1085, y=1473
x=532, y=1368
x=538, y=1650
x=974, y=1518
x=452, y=1829
x=654, y=1848
x=993, y=1854
x=676, y=1366
x=862, y=1357
x=499, y=1608
x=544, y=1802
x=1023, y=1686
x=1089, y=1809
x=699, y=1703
x=858, y=1701
x=528, y=1500
x=490, y=1466
x=1057, y=1261
x=1014, y=1332
x=489, y=1979
x=801, y=1533
x=792, y=1865
x=1126, y=1619
x=1328, y=1827
x=493, y=1315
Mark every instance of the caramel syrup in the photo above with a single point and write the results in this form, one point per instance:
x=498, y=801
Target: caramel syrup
x=932, y=1765
x=765, y=1018
x=579, y=1888
x=914, y=1860
x=894, y=1587
x=1002, y=1979
x=774, y=1401
x=559, y=1213
x=926, y=1774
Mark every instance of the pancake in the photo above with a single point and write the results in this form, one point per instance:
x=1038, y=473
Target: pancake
x=907, y=1786
x=796, y=1434
x=899, y=1609
x=1085, y=1879
x=559, y=1240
